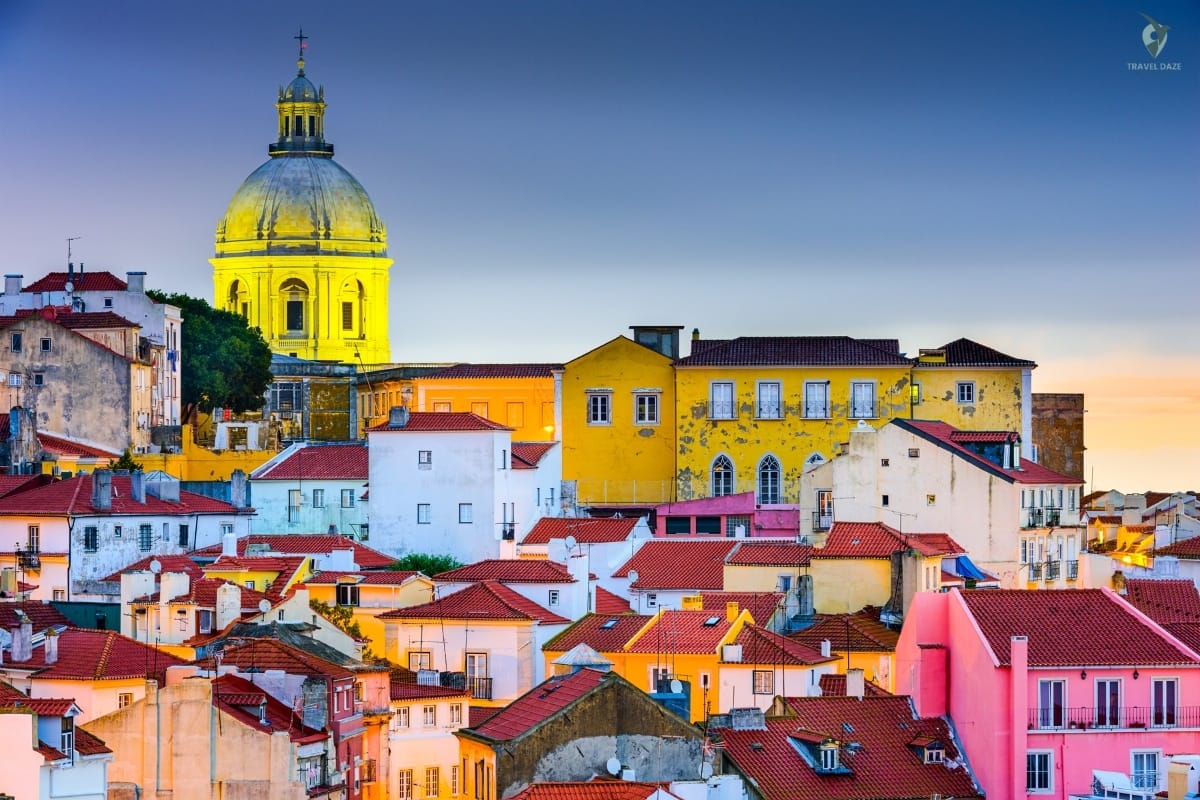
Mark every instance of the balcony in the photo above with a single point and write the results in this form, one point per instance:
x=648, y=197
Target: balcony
x=508, y=531
x=822, y=521
x=1053, y=570
x=1072, y=570
x=1043, y=518
x=29, y=559
x=1107, y=719
x=480, y=688
x=1035, y=571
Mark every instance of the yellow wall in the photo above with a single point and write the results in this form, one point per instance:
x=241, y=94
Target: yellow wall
x=997, y=405
x=373, y=601
x=878, y=667
x=262, y=577
x=197, y=463
x=846, y=585
x=619, y=462
x=471, y=752
x=756, y=579
x=524, y=404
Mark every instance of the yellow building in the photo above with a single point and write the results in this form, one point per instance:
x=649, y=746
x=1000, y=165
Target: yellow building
x=520, y=396
x=974, y=388
x=618, y=421
x=301, y=252
x=858, y=642
x=369, y=594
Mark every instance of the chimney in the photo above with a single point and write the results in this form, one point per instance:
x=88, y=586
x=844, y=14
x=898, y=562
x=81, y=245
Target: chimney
x=12, y=284
x=732, y=610
x=172, y=585
x=229, y=605
x=826, y=648
x=22, y=639
x=237, y=489
x=229, y=544
x=102, y=489
x=137, y=486
x=397, y=417
x=134, y=282
x=695, y=334
x=50, y=642
x=856, y=683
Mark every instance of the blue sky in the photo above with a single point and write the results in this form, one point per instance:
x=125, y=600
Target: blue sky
x=552, y=172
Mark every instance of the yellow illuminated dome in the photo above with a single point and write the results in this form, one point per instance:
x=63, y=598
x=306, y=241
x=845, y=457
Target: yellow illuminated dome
x=301, y=251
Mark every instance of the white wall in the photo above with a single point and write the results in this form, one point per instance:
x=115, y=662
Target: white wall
x=271, y=507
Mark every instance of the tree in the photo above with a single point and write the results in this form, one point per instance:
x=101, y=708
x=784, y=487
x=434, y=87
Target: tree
x=226, y=363
x=126, y=461
x=426, y=563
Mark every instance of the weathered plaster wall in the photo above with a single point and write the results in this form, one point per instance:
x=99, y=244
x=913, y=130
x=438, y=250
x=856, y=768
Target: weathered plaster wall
x=1058, y=432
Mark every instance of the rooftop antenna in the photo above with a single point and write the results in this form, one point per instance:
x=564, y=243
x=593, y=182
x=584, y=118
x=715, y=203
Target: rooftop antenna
x=70, y=285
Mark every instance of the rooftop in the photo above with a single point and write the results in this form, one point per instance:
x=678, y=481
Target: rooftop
x=761, y=646
x=92, y=655
x=539, y=704
x=877, y=540
x=73, y=497
x=942, y=435
x=769, y=553
x=242, y=700
x=855, y=633
x=441, y=422
x=679, y=564
x=1164, y=601
x=264, y=654
x=485, y=600
x=508, y=570
x=459, y=371
x=795, y=351
x=586, y=530
x=330, y=462
x=678, y=632
x=604, y=633
x=306, y=544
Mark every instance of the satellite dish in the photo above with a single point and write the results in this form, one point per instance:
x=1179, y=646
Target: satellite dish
x=676, y=686
x=571, y=542
x=706, y=770
x=613, y=765
x=633, y=576
x=156, y=566
x=68, y=287
x=264, y=605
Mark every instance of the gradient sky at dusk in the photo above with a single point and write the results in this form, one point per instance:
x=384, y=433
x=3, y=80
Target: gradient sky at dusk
x=552, y=172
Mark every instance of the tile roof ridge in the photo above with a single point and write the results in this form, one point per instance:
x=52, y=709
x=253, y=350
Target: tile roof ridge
x=105, y=655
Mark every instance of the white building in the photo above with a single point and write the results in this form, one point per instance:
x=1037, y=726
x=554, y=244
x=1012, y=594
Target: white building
x=562, y=588
x=454, y=482
x=313, y=488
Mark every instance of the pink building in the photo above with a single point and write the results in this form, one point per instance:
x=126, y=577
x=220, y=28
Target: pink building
x=733, y=516
x=1053, y=690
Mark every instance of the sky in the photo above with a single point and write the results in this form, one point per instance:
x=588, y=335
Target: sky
x=553, y=172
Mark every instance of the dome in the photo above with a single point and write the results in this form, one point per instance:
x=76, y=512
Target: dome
x=291, y=201
x=300, y=90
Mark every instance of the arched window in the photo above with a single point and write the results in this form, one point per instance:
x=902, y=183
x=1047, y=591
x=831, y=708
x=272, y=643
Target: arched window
x=722, y=476
x=768, y=480
x=295, y=298
x=239, y=299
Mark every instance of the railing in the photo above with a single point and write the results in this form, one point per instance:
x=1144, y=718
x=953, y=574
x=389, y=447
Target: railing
x=1122, y=718
x=29, y=559
x=1035, y=571
x=1035, y=518
x=1072, y=570
x=816, y=411
x=821, y=521
x=481, y=688
x=1053, y=569
x=1043, y=518
x=1053, y=517
x=508, y=531
x=863, y=411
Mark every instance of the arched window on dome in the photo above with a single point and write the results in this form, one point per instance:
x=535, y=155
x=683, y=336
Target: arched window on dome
x=722, y=476
x=239, y=300
x=768, y=480
x=352, y=310
x=294, y=296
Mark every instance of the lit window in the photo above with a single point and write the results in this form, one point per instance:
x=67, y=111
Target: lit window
x=764, y=681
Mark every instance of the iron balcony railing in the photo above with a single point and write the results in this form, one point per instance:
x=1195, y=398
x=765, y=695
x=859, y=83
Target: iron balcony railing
x=1043, y=518
x=1113, y=718
x=1035, y=571
x=481, y=688
x=1072, y=570
x=1053, y=570
x=29, y=559
x=822, y=521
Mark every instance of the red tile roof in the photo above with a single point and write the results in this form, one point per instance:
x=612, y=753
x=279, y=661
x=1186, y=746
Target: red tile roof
x=540, y=703
x=679, y=564
x=404, y=686
x=586, y=530
x=267, y=654
x=46, y=706
x=1184, y=548
x=285, y=568
x=609, y=603
x=493, y=371
x=241, y=699
x=1070, y=627
x=88, y=744
x=966, y=353
x=10, y=484
x=329, y=462
x=203, y=593
x=770, y=553
x=73, y=497
x=796, y=351
x=41, y=614
x=940, y=433
x=682, y=632
x=604, y=633
x=527, y=455
x=307, y=544
x=886, y=765
x=984, y=436
x=508, y=570
x=442, y=421
x=877, y=540
x=167, y=563
x=761, y=605
x=761, y=646
x=486, y=600
x=384, y=578
x=84, y=282
x=855, y=633
x=835, y=685
x=589, y=790
x=91, y=655
x=66, y=447
x=1164, y=601
x=81, y=320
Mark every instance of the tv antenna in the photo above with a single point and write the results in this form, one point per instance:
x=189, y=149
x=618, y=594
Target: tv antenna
x=69, y=240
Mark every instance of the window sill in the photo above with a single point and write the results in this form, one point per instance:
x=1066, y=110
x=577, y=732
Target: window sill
x=769, y=419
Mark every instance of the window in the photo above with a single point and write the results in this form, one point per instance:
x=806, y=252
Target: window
x=347, y=498
x=1144, y=769
x=829, y=756
x=768, y=480
x=400, y=718
x=318, y=498
x=424, y=459
x=347, y=316
x=915, y=394
x=1071, y=499
x=15, y=342
x=422, y=513
x=39, y=379
x=184, y=536
x=722, y=476
x=117, y=531
x=91, y=539
x=429, y=715
x=824, y=509
x=454, y=788
x=651, y=600
x=464, y=513
x=479, y=680
x=599, y=408
x=347, y=594
x=432, y=781
x=862, y=400
x=441, y=407
x=124, y=699
x=67, y=740
x=1108, y=702
x=59, y=595
x=480, y=409
x=1037, y=771
x=404, y=784
x=1052, y=706
x=145, y=536
x=709, y=525
x=645, y=409
x=46, y=345
x=1024, y=551
x=914, y=452
x=226, y=528
x=965, y=390
x=419, y=659
x=456, y=716
x=764, y=681
x=675, y=525
x=14, y=379
x=166, y=532
x=516, y=415
x=769, y=405
x=204, y=620
x=1164, y=696
x=555, y=596
x=816, y=400
x=295, y=315
x=294, y=499
x=884, y=500
x=108, y=302
x=931, y=499
x=720, y=400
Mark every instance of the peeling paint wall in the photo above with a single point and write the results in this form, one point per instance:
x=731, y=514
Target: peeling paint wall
x=997, y=404
x=1058, y=432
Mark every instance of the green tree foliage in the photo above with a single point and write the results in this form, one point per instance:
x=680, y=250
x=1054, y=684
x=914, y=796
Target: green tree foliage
x=426, y=563
x=226, y=363
x=343, y=619
x=124, y=462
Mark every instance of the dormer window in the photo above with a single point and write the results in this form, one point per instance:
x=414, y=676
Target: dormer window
x=829, y=756
x=935, y=753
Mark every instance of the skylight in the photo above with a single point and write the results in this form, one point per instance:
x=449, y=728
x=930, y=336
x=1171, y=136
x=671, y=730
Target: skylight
x=708, y=623
x=612, y=623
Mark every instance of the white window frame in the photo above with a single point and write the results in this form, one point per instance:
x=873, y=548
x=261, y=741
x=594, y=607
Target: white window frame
x=456, y=713
x=816, y=404
x=964, y=393
x=764, y=406
x=466, y=514
x=652, y=600
x=727, y=484
x=424, y=514
x=769, y=480
x=347, y=498
x=646, y=408
x=423, y=659
x=318, y=498
x=554, y=598
x=858, y=405
x=1047, y=770
x=403, y=717
x=721, y=407
x=1135, y=773
x=346, y=595
x=599, y=408
x=429, y=715
x=1168, y=716
x=424, y=459
x=433, y=780
x=404, y=784
x=1048, y=715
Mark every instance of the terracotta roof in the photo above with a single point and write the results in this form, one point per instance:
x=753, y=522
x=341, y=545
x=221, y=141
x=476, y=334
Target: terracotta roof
x=51, y=753
x=168, y=563
x=84, y=282
x=586, y=530
x=527, y=455
x=877, y=540
x=91, y=655
x=404, y=686
x=477, y=715
x=383, y=578
x=508, y=570
x=1070, y=627
x=241, y=699
x=1184, y=548
x=41, y=614
x=73, y=497
x=1164, y=601
x=307, y=544
x=442, y=421
x=494, y=371
x=67, y=447
x=9, y=484
x=47, y=706
x=885, y=765
x=833, y=684
x=589, y=790
x=79, y=320
x=485, y=600
x=265, y=654
x=773, y=553
x=203, y=593
x=761, y=646
x=679, y=564
x=89, y=744
x=761, y=605
x=984, y=436
x=797, y=351
x=676, y=632
x=539, y=704
x=1186, y=632
x=609, y=603
x=286, y=568
x=604, y=633
x=940, y=433
x=966, y=353
x=855, y=633
x=328, y=462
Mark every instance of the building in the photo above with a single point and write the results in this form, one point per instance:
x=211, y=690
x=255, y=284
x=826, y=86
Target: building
x=312, y=400
x=423, y=751
x=524, y=397
x=662, y=572
x=733, y=515
x=368, y=594
x=859, y=641
x=561, y=588
x=301, y=252
x=1058, y=440
x=311, y=488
